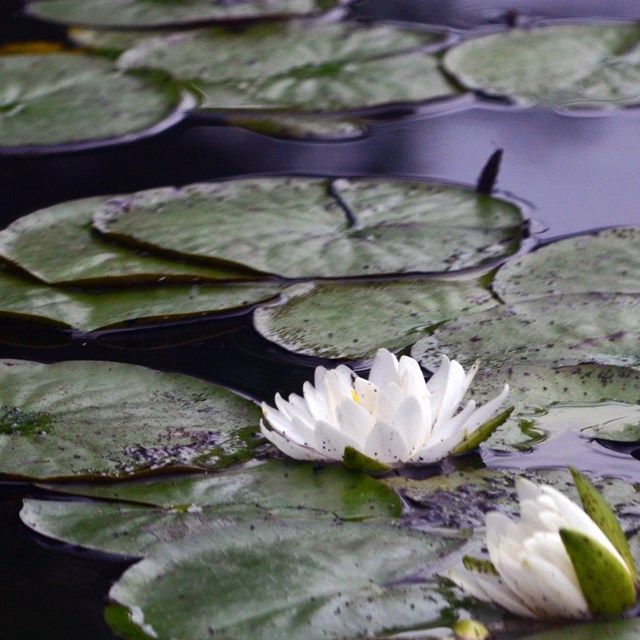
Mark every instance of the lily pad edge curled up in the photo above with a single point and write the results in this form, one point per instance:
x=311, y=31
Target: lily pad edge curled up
x=393, y=418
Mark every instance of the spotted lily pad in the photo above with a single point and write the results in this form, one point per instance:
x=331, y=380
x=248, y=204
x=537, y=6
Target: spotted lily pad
x=291, y=579
x=308, y=228
x=298, y=65
x=550, y=331
x=143, y=13
x=595, y=65
x=142, y=514
x=626, y=629
x=311, y=319
x=607, y=261
x=71, y=99
x=108, y=419
x=57, y=245
x=23, y=298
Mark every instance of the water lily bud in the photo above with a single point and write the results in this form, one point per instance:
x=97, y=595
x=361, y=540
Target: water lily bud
x=395, y=417
x=557, y=560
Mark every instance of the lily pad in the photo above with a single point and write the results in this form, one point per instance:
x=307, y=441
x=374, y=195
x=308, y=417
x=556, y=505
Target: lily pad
x=71, y=99
x=461, y=499
x=107, y=419
x=57, y=245
x=295, y=579
x=22, y=298
x=298, y=65
x=168, y=13
x=310, y=319
x=627, y=629
x=299, y=227
x=142, y=514
x=573, y=66
x=552, y=331
x=607, y=261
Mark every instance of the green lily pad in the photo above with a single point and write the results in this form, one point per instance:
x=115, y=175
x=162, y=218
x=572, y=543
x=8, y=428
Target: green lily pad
x=311, y=318
x=22, y=298
x=74, y=99
x=552, y=331
x=607, y=261
x=461, y=499
x=293, y=579
x=298, y=65
x=57, y=245
x=595, y=400
x=108, y=419
x=142, y=514
x=145, y=13
x=299, y=227
x=627, y=629
x=572, y=66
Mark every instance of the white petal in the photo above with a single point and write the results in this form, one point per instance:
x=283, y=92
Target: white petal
x=411, y=377
x=367, y=393
x=386, y=445
x=388, y=400
x=331, y=442
x=279, y=421
x=355, y=421
x=316, y=402
x=486, y=411
x=437, y=384
x=454, y=390
x=408, y=421
x=288, y=447
x=384, y=369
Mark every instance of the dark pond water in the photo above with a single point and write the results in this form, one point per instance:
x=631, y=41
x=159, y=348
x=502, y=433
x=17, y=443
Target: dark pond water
x=576, y=172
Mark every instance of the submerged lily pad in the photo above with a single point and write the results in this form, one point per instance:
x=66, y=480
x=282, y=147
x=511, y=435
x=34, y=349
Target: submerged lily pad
x=308, y=228
x=293, y=579
x=57, y=245
x=551, y=331
x=148, y=512
x=108, y=419
x=22, y=298
x=143, y=13
x=299, y=65
x=311, y=319
x=563, y=65
x=607, y=261
x=75, y=99
x=595, y=400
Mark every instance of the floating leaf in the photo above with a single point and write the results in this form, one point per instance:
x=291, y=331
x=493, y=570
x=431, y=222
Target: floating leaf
x=293, y=579
x=550, y=331
x=627, y=629
x=23, y=298
x=166, y=13
x=72, y=99
x=298, y=65
x=606, y=261
x=148, y=512
x=311, y=319
x=57, y=245
x=300, y=228
x=108, y=419
x=572, y=66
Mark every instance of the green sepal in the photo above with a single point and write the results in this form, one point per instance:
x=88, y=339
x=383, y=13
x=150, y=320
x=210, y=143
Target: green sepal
x=471, y=630
x=471, y=441
x=354, y=459
x=600, y=512
x=478, y=565
x=605, y=583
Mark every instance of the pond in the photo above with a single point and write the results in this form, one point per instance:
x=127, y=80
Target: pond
x=568, y=170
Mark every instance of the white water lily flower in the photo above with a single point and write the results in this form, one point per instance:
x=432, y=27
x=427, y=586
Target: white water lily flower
x=554, y=562
x=394, y=417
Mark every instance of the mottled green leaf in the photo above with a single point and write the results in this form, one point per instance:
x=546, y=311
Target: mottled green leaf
x=108, y=419
x=298, y=227
x=627, y=629
x=86, y=311
x=57, y=245
x=75, y=99
x=298, y=65
x=573, y=66
x=296, y=579
x=607, y=261
x=156, y=13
